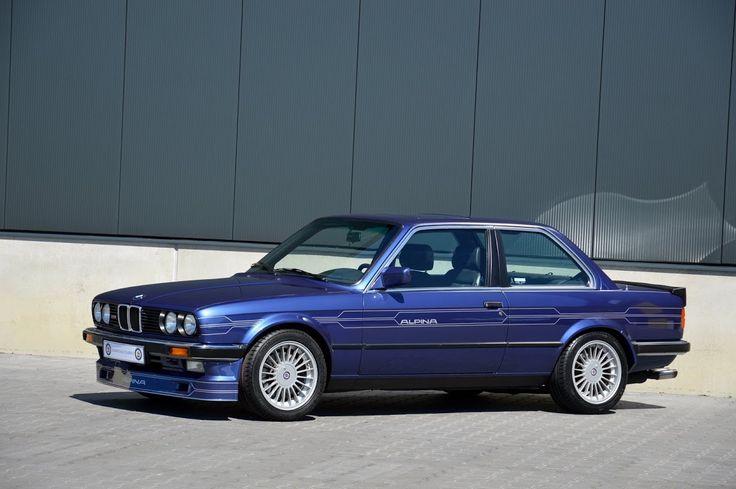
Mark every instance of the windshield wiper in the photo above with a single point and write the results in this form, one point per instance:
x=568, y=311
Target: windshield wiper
x=299, y=271
x=263, y=266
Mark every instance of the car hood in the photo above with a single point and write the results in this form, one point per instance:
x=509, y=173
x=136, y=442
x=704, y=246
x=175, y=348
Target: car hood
x=196, y=294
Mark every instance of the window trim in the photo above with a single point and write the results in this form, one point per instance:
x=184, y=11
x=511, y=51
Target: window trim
x=504, y=282
x=488, y=230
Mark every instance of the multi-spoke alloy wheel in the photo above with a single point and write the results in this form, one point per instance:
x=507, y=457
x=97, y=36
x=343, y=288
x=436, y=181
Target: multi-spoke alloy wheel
x=590, y=375
x=288, y=375
x=283, y=375
x=596, y=372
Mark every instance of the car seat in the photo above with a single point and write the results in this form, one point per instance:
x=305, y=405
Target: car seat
x=468, y=267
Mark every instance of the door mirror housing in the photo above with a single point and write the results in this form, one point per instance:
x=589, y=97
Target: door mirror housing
x=394, y=277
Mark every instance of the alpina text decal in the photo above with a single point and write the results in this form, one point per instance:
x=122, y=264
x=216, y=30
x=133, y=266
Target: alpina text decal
x=412, y=322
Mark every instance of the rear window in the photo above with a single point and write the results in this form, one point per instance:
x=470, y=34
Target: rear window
x=534, y=259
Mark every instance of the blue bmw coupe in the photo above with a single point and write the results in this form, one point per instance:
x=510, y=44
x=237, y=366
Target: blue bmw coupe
x=355, y=302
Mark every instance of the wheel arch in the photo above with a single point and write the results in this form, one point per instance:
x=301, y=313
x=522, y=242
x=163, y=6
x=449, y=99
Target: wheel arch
x=259, y=332
x=606, y=327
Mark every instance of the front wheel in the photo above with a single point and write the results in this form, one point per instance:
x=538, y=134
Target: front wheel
x=590, y=375
x=283, y=376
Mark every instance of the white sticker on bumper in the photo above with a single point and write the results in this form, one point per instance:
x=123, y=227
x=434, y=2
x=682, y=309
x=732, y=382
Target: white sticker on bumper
x=123, y=352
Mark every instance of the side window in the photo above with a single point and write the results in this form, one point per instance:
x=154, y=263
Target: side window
x=535, y=259
x=445, y=258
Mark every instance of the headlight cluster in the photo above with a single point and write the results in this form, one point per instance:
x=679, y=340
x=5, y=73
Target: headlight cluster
x=171, y=322
x=101, y=312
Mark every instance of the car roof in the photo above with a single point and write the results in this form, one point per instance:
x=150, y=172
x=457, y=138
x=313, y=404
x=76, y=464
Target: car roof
x=416, y=219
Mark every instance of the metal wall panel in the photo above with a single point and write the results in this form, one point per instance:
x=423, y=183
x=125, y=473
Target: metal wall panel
x=4, y=79
x=664, y=110
x=296, y=115
x=729, y=212
x=537, y=112
x=64, y=122
x=414, y=107
x=179, y=126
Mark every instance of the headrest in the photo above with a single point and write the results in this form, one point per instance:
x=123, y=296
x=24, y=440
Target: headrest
x=417, y=257
x=468, y=257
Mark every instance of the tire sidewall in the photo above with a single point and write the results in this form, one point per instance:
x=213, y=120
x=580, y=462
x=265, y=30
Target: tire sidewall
x=250, y=389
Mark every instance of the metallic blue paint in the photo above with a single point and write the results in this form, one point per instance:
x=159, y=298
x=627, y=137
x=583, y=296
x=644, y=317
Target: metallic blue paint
x=402, y=332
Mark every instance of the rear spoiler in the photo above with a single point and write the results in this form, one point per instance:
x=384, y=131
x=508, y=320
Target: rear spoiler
x=678, y=291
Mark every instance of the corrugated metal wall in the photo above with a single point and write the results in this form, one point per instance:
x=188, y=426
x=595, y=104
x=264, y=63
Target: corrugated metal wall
x=414, y=107
x=4, y=79
x=663, y=130
x=537, y=112
x=295, y=136
x=65, y=111
x=180, y=118
x=243, y=119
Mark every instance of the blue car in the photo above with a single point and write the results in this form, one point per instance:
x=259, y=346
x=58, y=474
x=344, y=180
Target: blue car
x=355, y=302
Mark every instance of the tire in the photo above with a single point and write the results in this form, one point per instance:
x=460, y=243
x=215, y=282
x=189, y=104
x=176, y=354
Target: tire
x=283, y=376
x=598, y=363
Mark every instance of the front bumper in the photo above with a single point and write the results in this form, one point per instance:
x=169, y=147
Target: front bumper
x=218, y=382
x=196, y=351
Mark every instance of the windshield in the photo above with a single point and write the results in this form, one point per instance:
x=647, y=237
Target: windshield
x=334, y=250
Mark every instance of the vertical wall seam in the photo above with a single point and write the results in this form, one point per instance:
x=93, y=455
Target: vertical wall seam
x=7, y=127
x=475, y=108
x=598, y=132
x=355, y=108
x=237, y=119
x=175, y=272
x=122, y=113
x=728, y=135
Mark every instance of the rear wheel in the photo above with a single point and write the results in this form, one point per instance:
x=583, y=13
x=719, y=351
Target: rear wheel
x=590, y=375
x=283, y=376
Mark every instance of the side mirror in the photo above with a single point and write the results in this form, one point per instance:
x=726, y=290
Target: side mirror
x=394, y=277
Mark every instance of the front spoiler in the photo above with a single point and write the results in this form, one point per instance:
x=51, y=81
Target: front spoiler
x=119, y=375
x=197, y=351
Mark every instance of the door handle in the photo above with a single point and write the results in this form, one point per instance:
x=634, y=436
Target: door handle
x=493, y=305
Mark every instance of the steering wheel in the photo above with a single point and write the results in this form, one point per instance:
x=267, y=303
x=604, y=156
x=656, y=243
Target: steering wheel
x=363, y=267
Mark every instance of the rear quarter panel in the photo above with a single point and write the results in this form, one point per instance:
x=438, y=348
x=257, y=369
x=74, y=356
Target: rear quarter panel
x=558, y=316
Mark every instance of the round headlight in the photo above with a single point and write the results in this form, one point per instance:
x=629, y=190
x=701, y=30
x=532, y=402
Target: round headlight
x=190, y=325
x=170, y=323
x=106, y=314
x=97, y=312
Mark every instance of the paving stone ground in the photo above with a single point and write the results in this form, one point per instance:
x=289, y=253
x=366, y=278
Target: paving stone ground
x=61, y=429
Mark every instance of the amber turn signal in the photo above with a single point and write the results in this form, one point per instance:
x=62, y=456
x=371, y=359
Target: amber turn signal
x=178, y=351
x=89, y=338
x=682, y=318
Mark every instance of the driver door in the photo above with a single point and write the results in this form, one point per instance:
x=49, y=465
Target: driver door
x=447, y=320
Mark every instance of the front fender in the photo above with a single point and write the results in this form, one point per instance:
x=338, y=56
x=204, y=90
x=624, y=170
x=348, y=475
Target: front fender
x=273, y=321
x=602, y=324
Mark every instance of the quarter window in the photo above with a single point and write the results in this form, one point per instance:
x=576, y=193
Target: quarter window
x=445, y=258
x=534, y=259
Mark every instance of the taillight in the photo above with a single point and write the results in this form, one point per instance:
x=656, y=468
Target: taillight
x=682, y=318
